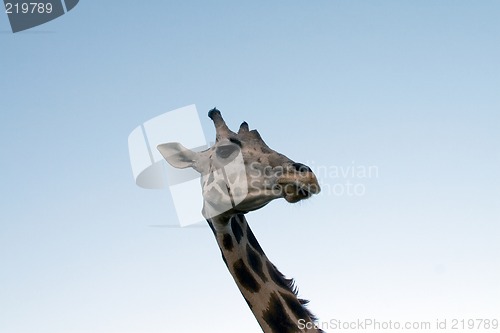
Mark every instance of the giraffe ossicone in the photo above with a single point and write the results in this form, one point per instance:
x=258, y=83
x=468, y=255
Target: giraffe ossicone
x=239, y=174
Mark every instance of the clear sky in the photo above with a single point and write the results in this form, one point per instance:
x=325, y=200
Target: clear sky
x=410, y=89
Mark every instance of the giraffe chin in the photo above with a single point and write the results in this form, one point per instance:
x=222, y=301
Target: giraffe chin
x=295, y=198
x=294, y=193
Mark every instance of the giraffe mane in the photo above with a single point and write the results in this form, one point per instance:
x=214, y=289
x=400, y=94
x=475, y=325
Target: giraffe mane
x=290, y=285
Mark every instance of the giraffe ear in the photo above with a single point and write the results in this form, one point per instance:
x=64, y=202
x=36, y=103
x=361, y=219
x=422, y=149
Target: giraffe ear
x=177, y=155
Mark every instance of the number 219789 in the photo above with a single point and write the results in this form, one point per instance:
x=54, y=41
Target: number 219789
x=28, y=7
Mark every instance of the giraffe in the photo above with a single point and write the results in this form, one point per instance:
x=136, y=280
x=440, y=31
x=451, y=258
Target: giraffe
x=239, y=174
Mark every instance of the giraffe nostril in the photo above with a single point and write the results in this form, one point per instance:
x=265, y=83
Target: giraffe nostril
x=301, y=167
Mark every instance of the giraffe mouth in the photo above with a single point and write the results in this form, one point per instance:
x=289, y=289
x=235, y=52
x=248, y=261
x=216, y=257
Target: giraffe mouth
x=295, y=191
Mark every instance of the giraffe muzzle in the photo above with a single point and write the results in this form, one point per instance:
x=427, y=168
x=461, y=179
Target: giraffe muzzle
x=295, y=190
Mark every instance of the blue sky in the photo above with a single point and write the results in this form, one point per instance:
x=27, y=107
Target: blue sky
x=408, y=87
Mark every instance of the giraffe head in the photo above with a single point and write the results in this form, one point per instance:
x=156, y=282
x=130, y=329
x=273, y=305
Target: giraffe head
x=240, y=173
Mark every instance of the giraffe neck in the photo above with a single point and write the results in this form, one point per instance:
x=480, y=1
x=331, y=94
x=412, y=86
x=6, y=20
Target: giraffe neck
x=271, y=297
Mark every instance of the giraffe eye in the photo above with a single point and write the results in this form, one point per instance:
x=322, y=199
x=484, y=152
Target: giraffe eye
x=226, y=151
